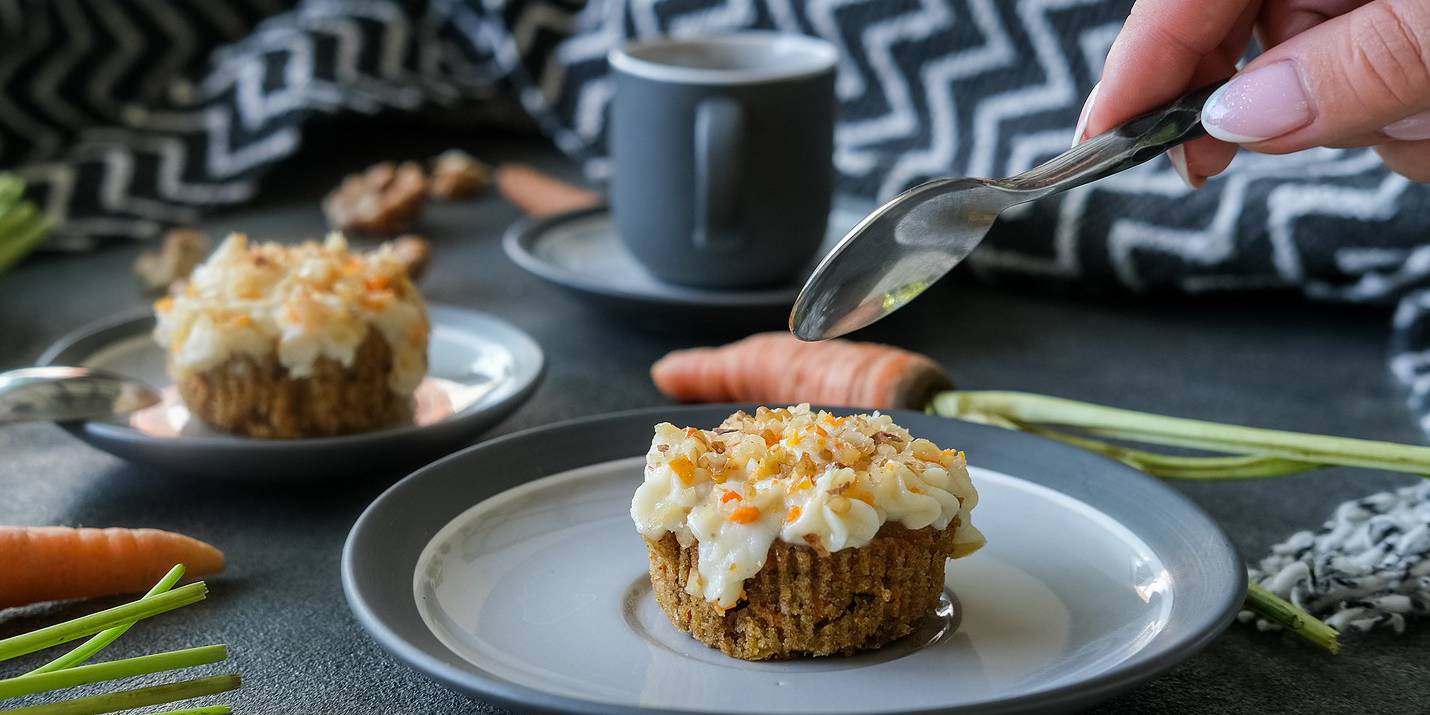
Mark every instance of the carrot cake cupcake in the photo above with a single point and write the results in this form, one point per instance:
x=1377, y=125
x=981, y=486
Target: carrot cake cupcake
x=268, y=340
x=795, y=533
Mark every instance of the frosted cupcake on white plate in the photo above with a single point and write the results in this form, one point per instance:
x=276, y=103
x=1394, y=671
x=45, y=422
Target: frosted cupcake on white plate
x=795, y=533
x=268, y=340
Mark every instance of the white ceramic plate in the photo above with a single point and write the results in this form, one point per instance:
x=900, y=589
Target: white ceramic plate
x=480, y=368
x=527, y=585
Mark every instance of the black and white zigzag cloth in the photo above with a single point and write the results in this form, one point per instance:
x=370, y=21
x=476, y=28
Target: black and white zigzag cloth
x=129, y=115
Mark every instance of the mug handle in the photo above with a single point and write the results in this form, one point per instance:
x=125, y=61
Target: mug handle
x=719, y=147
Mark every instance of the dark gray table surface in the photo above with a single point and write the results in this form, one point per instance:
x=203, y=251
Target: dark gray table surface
x=1263, y=360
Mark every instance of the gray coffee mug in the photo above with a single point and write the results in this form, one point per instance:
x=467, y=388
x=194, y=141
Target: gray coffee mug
x=723, y=155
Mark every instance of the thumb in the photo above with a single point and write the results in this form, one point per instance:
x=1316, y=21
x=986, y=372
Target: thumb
x=1337, y=83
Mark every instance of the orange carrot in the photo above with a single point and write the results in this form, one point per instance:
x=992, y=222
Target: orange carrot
x=50, y=563
x=777, y=368
x=540, y=194
x=745, y=515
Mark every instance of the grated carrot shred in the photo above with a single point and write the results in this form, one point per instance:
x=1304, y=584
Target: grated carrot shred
x=792, y=514
x=745, y=515
x=729, y=496
x=377, y=282
x=164, y=305
x=683, y=469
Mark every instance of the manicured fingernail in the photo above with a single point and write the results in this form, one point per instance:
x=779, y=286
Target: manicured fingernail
x=1178, y=156
x=1410, y=129
x=1082, y=118
x=1258, y=105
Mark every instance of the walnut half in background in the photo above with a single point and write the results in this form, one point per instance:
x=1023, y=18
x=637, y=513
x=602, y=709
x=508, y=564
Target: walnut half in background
x=457, y=174
x=182, y=250
x=382, y=200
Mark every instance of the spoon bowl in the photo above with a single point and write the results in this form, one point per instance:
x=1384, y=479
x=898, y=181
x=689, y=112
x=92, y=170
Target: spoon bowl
x=897, y=252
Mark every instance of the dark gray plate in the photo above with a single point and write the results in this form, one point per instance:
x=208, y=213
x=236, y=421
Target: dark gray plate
x=581, y=252
x=511, y=571
x=480, y=368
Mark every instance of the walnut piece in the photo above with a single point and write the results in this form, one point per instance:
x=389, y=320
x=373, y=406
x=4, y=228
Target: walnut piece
x=414, y=252
x=182, y=250
x=457, y=174
x=382, y=200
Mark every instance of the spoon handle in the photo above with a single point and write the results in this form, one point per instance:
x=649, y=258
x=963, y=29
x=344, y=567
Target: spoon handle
x=67, y=393
x=1124, y=147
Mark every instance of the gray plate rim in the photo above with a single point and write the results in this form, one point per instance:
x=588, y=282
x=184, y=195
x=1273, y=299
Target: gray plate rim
x=1211, y=581
x=528, y=375
x=520, y=236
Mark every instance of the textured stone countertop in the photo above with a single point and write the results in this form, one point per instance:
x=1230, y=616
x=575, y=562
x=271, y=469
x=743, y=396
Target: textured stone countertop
x=1266, y=360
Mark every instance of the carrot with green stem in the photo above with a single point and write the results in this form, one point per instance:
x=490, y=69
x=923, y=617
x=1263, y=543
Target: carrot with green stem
x=50, y=563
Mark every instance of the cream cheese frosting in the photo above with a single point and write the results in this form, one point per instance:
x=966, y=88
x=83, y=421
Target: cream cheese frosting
x=301, y=303
x=800, y=476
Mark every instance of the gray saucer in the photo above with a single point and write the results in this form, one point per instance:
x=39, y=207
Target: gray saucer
x=581, y=252
x=480, y=368
x=511, y=571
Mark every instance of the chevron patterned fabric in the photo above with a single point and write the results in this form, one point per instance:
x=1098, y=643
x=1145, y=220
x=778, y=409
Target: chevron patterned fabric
x=131, y=115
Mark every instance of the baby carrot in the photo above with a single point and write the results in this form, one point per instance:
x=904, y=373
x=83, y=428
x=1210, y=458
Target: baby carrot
x=540, y=194
x=778, y=368
x=49, y=563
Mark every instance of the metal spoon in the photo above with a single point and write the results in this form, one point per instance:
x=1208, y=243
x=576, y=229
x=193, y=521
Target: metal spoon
x=69, y=393
x=907, y=244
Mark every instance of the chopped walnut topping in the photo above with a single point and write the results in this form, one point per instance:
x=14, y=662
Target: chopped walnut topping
x=182, y=250
x=382, y=200
x=457, y=174
x=886, y=438
x=817, y=544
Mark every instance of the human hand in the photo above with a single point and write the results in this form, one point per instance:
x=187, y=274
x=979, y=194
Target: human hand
x=1337, y=73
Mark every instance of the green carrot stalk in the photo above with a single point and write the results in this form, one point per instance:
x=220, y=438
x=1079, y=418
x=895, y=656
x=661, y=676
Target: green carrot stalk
x=1098, y=420
x=112, y=670
x=136, y=698
x=94, y=645
x=11, y=187
x=1250, y=466
x=22, y=235
x=95, y=622
x=205, y=710
x=1278, y=610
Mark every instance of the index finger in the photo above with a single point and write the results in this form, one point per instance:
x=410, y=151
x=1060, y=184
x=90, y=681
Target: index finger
x=1155, y=57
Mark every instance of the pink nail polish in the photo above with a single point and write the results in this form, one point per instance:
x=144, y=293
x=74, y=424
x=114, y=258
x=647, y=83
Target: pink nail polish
x=1082, y=117
x=1258, y=105
x=1410, y=129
